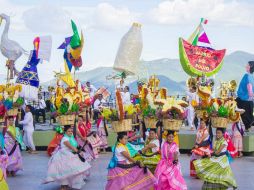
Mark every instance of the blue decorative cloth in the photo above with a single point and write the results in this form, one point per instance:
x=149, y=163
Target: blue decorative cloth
x=1, y=141
x=242, y=92
x=113, y=161
x=29, y=74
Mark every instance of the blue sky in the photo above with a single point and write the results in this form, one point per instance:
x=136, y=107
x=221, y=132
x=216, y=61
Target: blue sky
x=230, y=26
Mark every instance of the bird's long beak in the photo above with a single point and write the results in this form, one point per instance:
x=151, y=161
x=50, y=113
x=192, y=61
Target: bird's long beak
x=1, y=20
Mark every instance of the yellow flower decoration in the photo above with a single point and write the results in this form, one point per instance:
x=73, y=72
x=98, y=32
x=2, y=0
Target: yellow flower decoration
x=172, y=103
x=106, y=113
x=130, y=109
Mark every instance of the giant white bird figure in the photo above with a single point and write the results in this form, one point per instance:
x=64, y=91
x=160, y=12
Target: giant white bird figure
x=9, y=48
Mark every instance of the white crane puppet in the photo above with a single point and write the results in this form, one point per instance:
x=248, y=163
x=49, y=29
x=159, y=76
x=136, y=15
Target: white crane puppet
x=9, y=48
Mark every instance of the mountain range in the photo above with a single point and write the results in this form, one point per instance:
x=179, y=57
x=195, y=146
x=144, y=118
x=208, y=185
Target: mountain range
x=169, y=71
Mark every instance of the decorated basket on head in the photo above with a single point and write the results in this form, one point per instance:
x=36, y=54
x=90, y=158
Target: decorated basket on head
x=148, y=93
x=204, y=87
x=10, y=99
x=67, y=113
x=121, y=117
x=171, y=113
x=222, y=111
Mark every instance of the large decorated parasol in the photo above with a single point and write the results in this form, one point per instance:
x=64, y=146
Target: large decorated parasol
x=197, y=57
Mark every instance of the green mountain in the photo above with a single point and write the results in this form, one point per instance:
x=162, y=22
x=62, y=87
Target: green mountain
x=169, y=72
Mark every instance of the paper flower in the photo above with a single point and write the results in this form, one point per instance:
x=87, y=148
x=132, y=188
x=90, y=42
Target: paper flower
x=171, y=103
x=223, y=111
x=74, y=108
x=106, y=113
x=63, y=108
x=20, y=101
x=130, y=109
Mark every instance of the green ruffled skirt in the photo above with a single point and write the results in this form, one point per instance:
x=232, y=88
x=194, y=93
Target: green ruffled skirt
x=215, y=170
x=150, y=162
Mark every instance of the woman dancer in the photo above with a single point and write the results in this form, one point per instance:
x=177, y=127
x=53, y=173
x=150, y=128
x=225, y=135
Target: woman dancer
x=150, y=154
x=124, y=172
x=168, y=171
x=82, y=132
x=202, y=146
x=12, y=148
x=66, y=166
x=215, y=171
x=3, y=153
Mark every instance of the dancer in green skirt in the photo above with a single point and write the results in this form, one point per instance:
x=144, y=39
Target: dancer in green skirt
x=215, y=170
x=150, y=154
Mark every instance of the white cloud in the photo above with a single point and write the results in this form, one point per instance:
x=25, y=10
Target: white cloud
x=108, y=16
x=47, y=18
x=15, y=12
x=55, y=19
x=219, y=11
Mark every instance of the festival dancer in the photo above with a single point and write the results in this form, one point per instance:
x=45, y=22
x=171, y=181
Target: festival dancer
x=12, y=148
x=237, y=137
x=102, y=132
x=215, y=171
x=82, y=132
x=66, y=165
x=202, y=146
x=150, y=154
x=168, y=171
x=3, y=154
x=231, y=148
x=126, y=173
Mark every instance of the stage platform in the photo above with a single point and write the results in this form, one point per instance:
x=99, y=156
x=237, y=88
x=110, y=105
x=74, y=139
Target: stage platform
x=44, y=134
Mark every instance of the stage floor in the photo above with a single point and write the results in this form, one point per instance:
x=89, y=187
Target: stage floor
x=35, y=168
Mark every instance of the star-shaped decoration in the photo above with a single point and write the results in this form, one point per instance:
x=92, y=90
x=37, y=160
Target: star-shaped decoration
x=171, y=103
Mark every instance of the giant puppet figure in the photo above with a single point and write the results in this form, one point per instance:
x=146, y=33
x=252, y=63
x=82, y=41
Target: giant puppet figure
x=9, y=48
x=28, y=77
x=199, y=59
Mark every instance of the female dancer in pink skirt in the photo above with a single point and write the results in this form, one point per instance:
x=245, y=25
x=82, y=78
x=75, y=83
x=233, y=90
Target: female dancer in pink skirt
x=82, y=132
x=3, y=154
x=237, y=137
x=12, y=148
x=102, y=133
x=168, y=171
x=66, y=166
x=124, y=172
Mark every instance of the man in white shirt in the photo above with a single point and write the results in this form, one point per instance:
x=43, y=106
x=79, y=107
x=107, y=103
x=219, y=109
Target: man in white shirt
x=40, y=110
x=92, y=90
x=98, y=104
x=191, y=95
x=126, y=97
x=28, y=128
